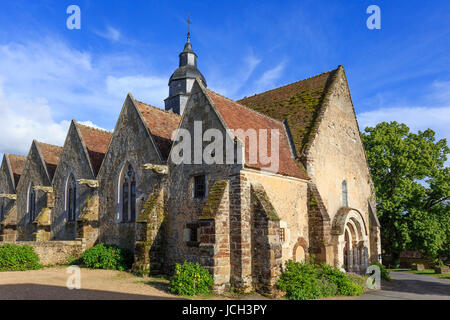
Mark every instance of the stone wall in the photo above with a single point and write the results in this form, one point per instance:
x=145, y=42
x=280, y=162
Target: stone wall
x=55, y=252
x=184, y=211
x=289, y=198
x=34, y=172
x=336, y=154
x=74, y=162
x=131, y=143
x=215, y=236
x=266, y=242
x=7, y=187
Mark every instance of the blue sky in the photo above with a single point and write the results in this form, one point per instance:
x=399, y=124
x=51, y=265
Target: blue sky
x=50, y=74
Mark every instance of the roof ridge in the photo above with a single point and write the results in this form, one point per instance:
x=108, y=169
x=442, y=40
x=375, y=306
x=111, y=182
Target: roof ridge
x=245, y=107
x=92, y=128
x=289, y=84
x=48, y=144
x=16, y=155
x=159, y=109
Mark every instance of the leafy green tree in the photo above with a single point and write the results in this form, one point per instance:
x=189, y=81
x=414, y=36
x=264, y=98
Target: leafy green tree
x=412, y=185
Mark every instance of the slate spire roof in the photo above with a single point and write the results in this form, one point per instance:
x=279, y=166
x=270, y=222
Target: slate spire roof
x=96, y=142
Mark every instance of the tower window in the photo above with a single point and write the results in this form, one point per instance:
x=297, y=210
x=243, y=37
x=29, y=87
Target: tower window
x=72, y=199
x=344, y=194
x=128, y=195
x=200, y=187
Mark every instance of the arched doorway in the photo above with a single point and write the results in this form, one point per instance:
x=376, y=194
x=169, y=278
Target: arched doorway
x=350, y=240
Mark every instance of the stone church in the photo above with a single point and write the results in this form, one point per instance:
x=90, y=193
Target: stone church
x=238, y=218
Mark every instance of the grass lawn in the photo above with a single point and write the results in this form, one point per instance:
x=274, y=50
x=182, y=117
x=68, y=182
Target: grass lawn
x=427, y=272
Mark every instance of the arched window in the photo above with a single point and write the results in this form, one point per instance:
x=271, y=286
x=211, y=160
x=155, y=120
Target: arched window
x=32, y=203
x=344, y=194
x=128, y=195
x=2, y=208
x=71, y=198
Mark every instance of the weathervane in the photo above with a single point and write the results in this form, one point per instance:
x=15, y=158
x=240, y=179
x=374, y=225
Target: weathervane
x=189, y=22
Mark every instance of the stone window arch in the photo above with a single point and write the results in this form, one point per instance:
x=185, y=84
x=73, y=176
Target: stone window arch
x=344, y=194
x=127, y=193
x=71, y=198
x=300, y=251
x=350, y=240
x=31, y=203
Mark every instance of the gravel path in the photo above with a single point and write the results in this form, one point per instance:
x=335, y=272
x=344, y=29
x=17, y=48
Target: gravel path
x=50, y=284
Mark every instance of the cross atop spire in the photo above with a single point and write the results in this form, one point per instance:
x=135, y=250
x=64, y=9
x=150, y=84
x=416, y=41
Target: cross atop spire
x=189, y=22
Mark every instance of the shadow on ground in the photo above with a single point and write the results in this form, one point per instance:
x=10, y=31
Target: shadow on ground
x=44, y=292
x=417, y=287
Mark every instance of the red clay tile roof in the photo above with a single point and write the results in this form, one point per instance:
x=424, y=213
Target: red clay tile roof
x=97, y=142
x=17, y=165
x=51, y=156
x=161, y=124
x=299, y=103
x=237, y=116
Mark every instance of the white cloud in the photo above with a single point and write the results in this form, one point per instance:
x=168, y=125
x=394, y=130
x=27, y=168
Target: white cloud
x=92, y=125
x=110, y=34
x=416, y=118
x=22, y=121
x=46, y=83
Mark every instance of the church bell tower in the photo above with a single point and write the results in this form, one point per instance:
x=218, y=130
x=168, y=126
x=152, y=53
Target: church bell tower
x=181, y=81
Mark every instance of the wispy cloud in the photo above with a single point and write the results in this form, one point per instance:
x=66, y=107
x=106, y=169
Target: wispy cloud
x=270, y=76
x=110, y=34
x=231, y=83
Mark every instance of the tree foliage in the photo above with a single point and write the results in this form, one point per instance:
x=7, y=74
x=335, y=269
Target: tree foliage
x=412, y=185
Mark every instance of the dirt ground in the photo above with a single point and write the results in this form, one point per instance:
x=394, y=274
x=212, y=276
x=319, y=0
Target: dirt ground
x=50, y=284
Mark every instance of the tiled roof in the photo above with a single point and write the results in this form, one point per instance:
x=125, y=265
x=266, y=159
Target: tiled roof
x=238, y=116
x=17, y=165
x=299, y=103
x=51, y=156
x=97, y=142
x=161, y=124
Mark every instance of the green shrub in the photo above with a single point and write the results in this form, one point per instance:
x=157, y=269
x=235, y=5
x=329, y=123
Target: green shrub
x=346, y=284
x=190, y=279
x=104, y=256
x=383, y=270
x=18, y=258
x=303, y=281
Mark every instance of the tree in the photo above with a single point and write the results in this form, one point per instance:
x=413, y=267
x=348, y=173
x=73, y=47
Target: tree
x=413, y=188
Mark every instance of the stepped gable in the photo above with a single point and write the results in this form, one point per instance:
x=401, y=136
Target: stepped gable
x=96, y=142
x=161, y=124
x=299, y=103
x=238, y=116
